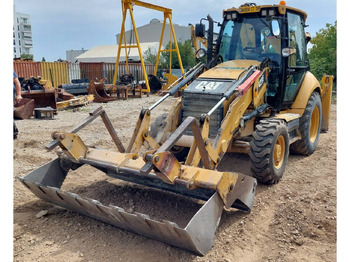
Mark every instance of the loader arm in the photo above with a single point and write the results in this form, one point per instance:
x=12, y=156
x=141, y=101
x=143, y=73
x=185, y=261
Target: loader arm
x=159, y=169
x=248, y=94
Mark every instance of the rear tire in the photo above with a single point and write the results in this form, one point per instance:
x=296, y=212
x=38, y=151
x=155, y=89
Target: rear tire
x=269, y=151
x=310, y=127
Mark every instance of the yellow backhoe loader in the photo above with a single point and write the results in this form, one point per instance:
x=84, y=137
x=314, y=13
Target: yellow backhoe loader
x=255, y=94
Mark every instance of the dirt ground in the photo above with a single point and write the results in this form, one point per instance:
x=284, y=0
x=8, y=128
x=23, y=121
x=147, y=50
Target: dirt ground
x=294, y=220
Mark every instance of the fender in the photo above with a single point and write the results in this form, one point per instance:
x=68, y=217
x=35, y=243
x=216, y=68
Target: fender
x=309, y=85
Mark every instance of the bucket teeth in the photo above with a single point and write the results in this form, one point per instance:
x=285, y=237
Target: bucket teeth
x=165, y=231
x=197, y=236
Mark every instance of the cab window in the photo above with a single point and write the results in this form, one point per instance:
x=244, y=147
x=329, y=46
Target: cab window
x=296, y=36
x=249, y=38
x=297, y=62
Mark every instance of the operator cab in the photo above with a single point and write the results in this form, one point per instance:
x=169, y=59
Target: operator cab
x=249, y=37
x=276, y=32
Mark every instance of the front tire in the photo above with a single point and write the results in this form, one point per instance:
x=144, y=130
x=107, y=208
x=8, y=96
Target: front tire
x=310, y=127
x=269, y=151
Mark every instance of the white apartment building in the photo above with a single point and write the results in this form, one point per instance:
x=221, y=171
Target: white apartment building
x=22, y=34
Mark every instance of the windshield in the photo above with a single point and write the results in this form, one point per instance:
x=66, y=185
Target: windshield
x=249, y=38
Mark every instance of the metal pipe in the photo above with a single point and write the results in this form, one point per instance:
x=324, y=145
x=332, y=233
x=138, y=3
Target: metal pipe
x=216, y=106
x=51, y=78
x=181, y=77
x=256, y=112
x=184, y=79
x=234, y=86
x=158, y=102
x=187, y=79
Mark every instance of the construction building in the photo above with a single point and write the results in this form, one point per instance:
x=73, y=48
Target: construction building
x=22, y=34
x=108, y=53
x=149, y=36
x=151, y=32
x=71, y=55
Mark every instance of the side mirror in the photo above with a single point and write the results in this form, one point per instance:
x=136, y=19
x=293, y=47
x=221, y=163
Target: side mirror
x=275, y=28
x=200, y=30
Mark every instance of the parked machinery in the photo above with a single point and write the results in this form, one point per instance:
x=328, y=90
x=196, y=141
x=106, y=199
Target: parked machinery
x=254, y=95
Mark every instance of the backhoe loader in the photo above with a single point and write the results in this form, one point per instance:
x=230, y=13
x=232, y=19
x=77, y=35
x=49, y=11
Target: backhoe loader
x=255, y=94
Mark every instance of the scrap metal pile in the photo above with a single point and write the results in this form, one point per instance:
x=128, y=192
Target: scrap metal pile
x=40, y=95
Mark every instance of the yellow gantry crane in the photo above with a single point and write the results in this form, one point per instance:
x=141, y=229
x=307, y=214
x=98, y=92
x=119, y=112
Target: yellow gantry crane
x=128, y=5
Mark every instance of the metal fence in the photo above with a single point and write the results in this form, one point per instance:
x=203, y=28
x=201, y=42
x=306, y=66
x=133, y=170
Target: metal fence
x=134, y=68
x=73, y=71
x=63, y=72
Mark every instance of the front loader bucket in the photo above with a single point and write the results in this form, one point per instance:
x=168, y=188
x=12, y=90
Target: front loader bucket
x=99, y=92
x=42, y=98
x=198, y=236
x=24, y=109
x=156, y=169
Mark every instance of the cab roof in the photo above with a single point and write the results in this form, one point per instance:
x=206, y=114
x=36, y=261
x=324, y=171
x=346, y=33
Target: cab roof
x=249, y=8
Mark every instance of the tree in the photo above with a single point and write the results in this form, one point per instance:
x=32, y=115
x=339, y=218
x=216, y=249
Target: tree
x=43, y=59
x=186, y=52
x=27, y=56
x=150, y=56
x=323, y=54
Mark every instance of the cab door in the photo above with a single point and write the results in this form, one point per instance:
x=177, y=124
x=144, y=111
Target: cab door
x=297, y=64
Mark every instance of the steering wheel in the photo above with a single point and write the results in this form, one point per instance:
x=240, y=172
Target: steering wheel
x=272, y=56
x=251, y=52
x=275, y=59
x=249, y=49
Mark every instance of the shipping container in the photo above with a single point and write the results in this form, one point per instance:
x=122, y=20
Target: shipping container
x=27, y=69
x=91, y=71
x=63, y=73
x=56, y=72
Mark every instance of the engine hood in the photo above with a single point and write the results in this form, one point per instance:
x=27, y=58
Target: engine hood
x=228, y=70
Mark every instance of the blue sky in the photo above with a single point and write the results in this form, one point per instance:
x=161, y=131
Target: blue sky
x=63, y=25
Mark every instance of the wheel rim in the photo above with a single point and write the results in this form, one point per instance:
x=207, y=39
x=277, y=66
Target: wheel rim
x=314, y=124
x=279, y=151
